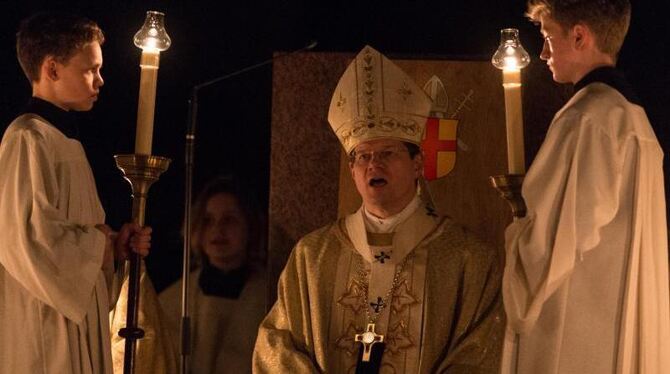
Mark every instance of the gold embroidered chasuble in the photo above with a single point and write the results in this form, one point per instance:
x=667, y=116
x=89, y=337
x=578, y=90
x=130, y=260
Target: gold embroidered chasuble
x=378, y=256
x=444, y=316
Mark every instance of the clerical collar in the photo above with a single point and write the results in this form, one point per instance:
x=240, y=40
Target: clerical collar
x=216, y=282
x=61, y=119
x=612, y=77
x=383, y=225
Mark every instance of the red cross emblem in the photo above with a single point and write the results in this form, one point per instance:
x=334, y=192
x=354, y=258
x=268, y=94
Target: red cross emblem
x=439, y=147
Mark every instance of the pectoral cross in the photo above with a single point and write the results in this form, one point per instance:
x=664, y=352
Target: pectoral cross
x=368, y=338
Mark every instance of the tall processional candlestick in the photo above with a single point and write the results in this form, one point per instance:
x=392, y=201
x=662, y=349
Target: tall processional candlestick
x=142, y=169
x=511, y=57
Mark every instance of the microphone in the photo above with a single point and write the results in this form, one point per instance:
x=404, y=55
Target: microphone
x=188, y=188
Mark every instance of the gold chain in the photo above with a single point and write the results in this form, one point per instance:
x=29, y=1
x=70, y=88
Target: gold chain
x=363, y=281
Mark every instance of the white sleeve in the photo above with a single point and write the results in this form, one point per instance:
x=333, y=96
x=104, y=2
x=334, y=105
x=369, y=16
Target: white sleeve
x=571, y=191
x=56, y=260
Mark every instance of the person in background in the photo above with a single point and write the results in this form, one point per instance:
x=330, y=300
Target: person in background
x=227, y=285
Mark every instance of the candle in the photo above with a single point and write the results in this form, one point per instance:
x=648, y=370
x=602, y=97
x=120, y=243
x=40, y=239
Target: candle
x=147, y=101
x=514, y=121
x=153, y=39
x=510, y=57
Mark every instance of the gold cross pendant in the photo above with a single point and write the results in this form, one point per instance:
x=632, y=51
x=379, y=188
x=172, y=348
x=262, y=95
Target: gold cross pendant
x=368, y=338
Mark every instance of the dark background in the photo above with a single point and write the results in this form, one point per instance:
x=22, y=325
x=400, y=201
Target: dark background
x=210, y=39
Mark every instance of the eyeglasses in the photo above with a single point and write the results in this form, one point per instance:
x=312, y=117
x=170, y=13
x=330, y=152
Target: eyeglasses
x=384, y=156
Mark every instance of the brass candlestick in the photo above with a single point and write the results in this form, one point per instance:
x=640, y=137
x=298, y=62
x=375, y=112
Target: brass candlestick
x=141, y=171
x=509, y=187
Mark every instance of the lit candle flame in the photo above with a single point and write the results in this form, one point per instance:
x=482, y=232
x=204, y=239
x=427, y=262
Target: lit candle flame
x=511, y=63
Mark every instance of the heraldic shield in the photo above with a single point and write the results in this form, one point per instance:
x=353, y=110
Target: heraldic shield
x=439, y=141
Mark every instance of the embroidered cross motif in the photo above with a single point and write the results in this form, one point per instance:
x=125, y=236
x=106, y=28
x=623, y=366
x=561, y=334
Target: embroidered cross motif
x=398, y=338
x=402, y=298
x=342, y=100
x=378, y=305
x=346, y=341
x=353, y=298
x=404, y=91
x=430, y=211
x=382, y=256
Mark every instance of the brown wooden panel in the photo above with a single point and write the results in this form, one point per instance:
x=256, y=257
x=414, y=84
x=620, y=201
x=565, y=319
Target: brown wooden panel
x=304, y=166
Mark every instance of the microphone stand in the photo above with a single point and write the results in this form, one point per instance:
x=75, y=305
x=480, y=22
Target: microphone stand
x=185, y=328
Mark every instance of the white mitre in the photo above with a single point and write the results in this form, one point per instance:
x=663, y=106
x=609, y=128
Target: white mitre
x=376, y=99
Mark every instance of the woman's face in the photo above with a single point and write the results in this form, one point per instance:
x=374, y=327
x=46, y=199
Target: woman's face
x=225, y=232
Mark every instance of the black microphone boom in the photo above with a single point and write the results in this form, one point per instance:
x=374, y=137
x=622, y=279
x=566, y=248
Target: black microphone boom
x=185, y=328
x=309, y=46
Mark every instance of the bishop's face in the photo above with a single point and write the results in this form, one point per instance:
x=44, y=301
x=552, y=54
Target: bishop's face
x=77, y=82
x=385, y=175
x=559, y=51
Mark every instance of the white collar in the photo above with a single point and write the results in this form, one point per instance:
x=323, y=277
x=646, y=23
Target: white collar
x=388, y=224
